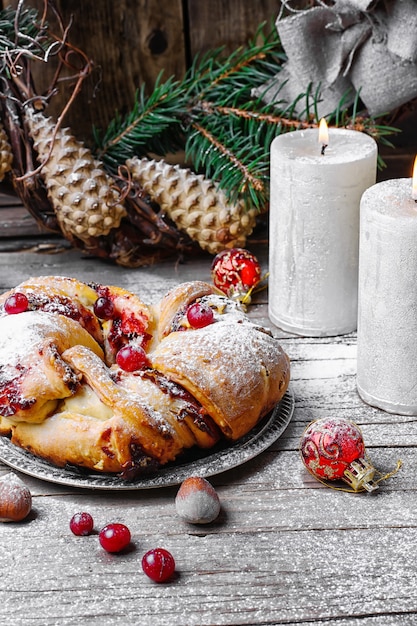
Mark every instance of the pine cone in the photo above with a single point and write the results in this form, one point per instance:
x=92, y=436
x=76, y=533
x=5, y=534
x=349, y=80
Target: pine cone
x=84, y=197
x=195, y=204
x=6, y=156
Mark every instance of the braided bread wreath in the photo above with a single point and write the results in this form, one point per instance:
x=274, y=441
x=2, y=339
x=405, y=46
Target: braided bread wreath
x=64, y=398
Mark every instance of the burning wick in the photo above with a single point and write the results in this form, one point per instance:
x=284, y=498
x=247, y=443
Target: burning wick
x=414, y=187
x=323, y=135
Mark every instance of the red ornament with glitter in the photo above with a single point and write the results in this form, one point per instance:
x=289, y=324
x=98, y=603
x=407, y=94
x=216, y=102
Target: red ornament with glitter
x=333, y=449
x=236, y=272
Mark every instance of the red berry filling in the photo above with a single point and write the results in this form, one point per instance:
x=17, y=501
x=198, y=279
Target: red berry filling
x=11, y=398
x=81, y=524
x=16, y=303
x=158, y=564
x=114, y=537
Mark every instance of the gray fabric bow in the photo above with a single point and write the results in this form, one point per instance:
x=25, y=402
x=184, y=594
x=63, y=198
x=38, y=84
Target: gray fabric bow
x=353, y=45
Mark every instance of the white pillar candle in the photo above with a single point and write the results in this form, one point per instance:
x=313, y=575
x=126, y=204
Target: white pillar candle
x=387, y=315
x=314, y=229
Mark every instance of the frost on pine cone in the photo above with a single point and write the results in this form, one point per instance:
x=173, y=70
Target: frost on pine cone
x=195, y=204
x=84, y=197
x=6, y=156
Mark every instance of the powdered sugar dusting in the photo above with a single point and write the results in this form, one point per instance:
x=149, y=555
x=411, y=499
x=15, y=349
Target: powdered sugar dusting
x=22, y=333
x=228, y=366
x=21, y=343
x=227, y=363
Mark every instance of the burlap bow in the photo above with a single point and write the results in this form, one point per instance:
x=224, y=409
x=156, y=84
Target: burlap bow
x=353, y=45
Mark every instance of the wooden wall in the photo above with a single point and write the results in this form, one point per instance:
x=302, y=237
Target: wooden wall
x=131, y=41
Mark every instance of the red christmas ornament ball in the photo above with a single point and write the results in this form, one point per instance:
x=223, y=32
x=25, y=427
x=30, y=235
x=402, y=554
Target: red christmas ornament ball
x=235, y=272
x=329, y=446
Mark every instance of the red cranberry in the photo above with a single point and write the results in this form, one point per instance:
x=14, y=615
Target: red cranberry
x=104, y=308
x=199, y=315
x=158, y=564
x=81, y=524
x=16, y=303
x=114, y=537
x=131, y=358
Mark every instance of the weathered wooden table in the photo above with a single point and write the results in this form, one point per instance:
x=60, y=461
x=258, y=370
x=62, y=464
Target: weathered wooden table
x=285, y=550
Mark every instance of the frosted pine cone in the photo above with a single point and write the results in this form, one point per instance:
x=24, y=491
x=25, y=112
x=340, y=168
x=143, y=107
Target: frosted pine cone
x=195, y=204
x=6, y=156
x=84, y=197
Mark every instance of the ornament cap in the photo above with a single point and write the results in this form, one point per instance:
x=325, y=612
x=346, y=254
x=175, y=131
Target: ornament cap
x=359, y=475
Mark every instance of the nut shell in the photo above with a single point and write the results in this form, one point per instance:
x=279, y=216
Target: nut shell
x=197, y=501
x=15, y=499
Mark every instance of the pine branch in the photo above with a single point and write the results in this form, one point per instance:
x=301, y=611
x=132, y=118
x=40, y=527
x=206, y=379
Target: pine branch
x=215, y=76
x=232, y=145
x=359, y=123
x=226, y=132
x=260, y=124
x=153, y=125
x=249, y=179
x=232, y=132
x=224, y=139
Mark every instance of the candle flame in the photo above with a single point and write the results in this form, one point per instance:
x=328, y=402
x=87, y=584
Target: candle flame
x=414, y=188
x=323, y=132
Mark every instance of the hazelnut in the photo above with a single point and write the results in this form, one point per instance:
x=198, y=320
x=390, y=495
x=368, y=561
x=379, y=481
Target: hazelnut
x=197, y=501
x=15, y=499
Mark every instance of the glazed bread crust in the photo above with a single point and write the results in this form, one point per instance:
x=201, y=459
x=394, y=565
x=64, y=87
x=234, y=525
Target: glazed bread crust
x=77, y=406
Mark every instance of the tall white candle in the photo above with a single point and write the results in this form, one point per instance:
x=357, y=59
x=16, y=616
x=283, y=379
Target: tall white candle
x=387, y=316
x=314, y=229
